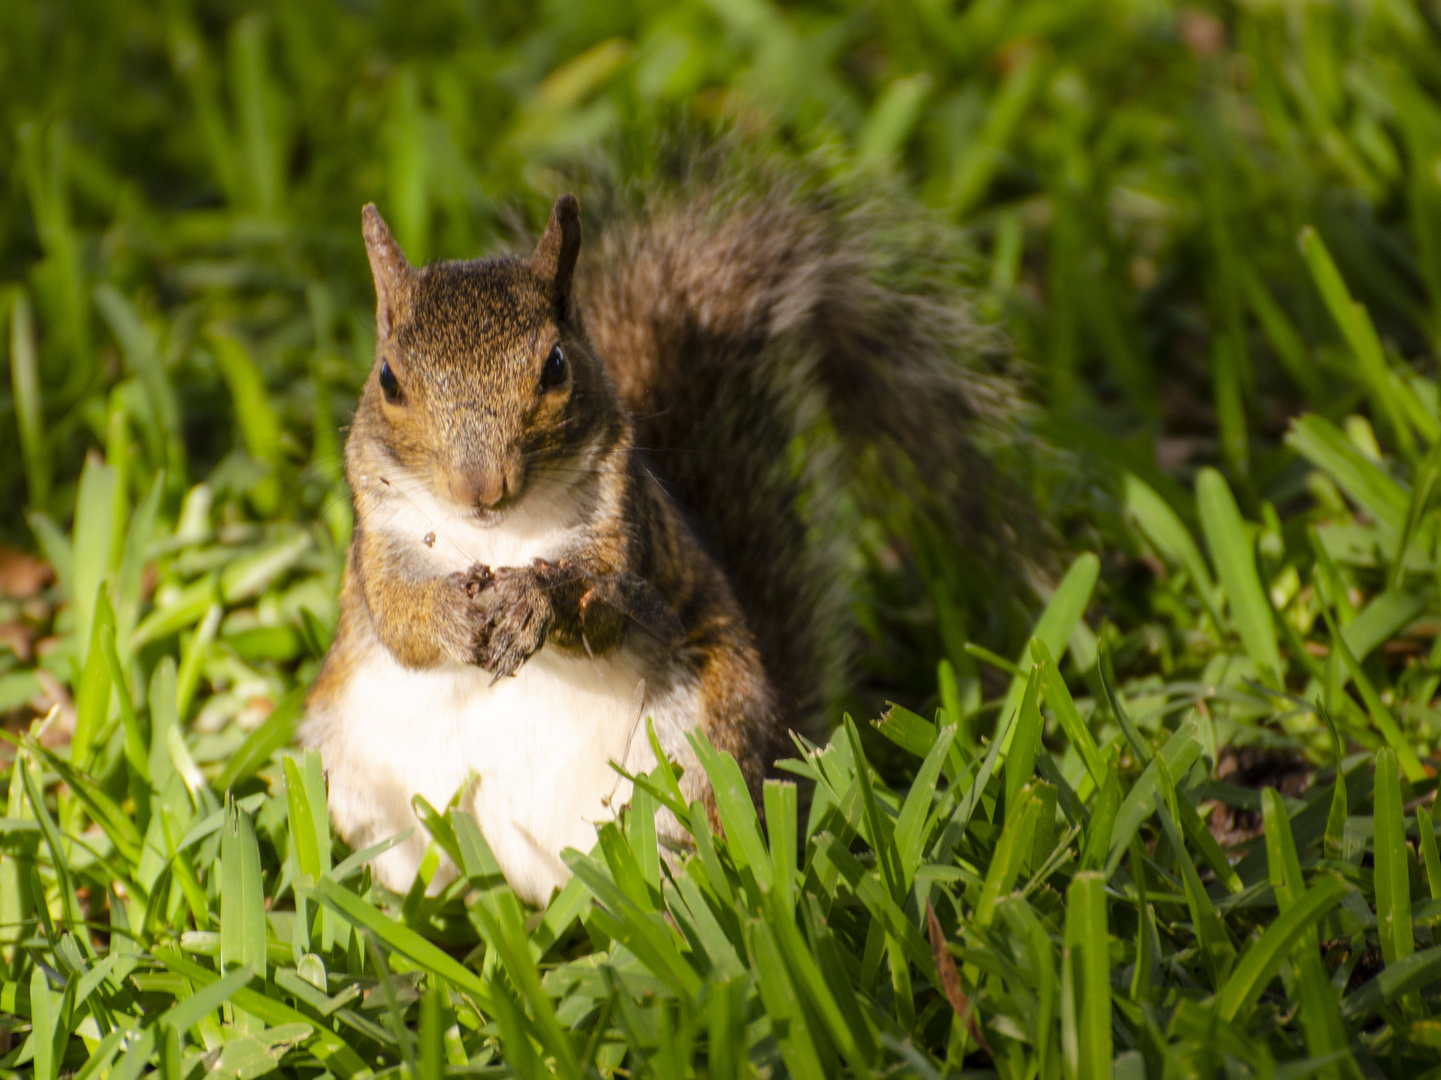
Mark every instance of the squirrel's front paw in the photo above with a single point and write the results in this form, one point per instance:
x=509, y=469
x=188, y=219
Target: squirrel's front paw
x=519, y=618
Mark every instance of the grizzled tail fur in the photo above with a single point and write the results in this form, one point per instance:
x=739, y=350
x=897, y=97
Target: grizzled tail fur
x=792, y=353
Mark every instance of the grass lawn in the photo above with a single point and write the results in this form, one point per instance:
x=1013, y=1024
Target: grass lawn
x=1170, y=814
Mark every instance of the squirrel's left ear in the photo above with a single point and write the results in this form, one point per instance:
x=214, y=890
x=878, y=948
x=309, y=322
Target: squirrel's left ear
x=554, y=259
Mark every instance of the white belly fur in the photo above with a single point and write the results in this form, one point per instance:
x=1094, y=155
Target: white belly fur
x=539, y=745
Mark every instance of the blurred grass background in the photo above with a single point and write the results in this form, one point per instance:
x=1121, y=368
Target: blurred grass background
x=1133, y=175
x=1212, y=232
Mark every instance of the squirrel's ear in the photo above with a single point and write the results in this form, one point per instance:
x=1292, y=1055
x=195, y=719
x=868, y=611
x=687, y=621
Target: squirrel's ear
x=554, y=259
x=391, y=271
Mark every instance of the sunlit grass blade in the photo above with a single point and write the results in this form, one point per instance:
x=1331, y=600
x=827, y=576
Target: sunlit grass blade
x=879, y=825
x=1021, y=759
x=1180, y=753
x=302, y=821
x=1058, y=697
x=402, y=939
x=1055, y=626
x=1320, y=1019
x=324, y=1044
x=1104, y=807
x=1326, y=446
x=242, y=901
x=508, y=937
x=783, y=1005
x=1087, y=937
x=915, y=811
x=1232, y=552
x=737, y=812
x=892, y=118
x=185, y=1014
x=1422, y=487
x=1164, y=528
x=1013, y=847
x=1393, y=883
x=59, y=852
x=1197, y=833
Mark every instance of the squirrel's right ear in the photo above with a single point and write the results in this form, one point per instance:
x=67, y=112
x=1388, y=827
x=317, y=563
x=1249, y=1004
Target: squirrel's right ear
x=554, y=259
x=391, y=271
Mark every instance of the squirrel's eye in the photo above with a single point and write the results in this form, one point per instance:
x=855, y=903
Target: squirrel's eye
x=389, y=384
x=553, y=374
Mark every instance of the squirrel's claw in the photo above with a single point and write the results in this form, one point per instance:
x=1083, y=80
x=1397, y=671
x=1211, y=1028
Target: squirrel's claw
x=516, y=624
x=476, y=580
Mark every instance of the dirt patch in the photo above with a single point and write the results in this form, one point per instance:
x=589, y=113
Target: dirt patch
x=1255, y=768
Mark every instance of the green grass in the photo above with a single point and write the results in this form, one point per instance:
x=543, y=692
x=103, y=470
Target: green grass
x=1214, y=234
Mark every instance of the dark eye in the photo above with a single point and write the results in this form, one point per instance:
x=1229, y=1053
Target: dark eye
x=553, y=374
x=389, y=384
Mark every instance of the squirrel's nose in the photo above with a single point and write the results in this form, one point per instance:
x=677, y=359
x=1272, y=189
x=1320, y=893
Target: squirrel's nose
x=482, y=489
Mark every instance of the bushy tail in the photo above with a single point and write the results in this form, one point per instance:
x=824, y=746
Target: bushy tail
x=791, y=356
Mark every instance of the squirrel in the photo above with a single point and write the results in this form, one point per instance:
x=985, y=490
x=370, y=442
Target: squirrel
x=592, y=492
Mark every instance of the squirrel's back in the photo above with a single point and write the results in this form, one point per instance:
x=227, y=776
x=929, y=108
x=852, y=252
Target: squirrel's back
x=781, y=353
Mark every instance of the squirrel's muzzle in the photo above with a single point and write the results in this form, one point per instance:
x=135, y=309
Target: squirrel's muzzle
x=483, y=488
x=479, y=489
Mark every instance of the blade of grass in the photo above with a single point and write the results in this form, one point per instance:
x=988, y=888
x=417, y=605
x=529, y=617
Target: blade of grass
x=404, y=940
x=1217, y=952
x=1426, y=830
x=1057, y=622
x=782, y=1004
x=1360, y=333
x=1320, y=1018
x=508, y=936
x=1164, y=528
x=1324, y=445
x=1422, y=486
x=1011, y=851
x=328, y=1047
x=242, y=903
x=735, y=808
x=1058, y=697
x=1021, y=760
x=1233, y=554
x=1180, y=753
x=1087, y=938
x=1392, y=878
x=915, y=811
x=25, y=383
x=1381, y=716
x=1259, y=964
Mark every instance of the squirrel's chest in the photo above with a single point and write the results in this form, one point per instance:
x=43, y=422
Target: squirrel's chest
x=532, y=753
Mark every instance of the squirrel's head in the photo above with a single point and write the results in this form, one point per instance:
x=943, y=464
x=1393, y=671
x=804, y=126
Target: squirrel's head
x=483, y=378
